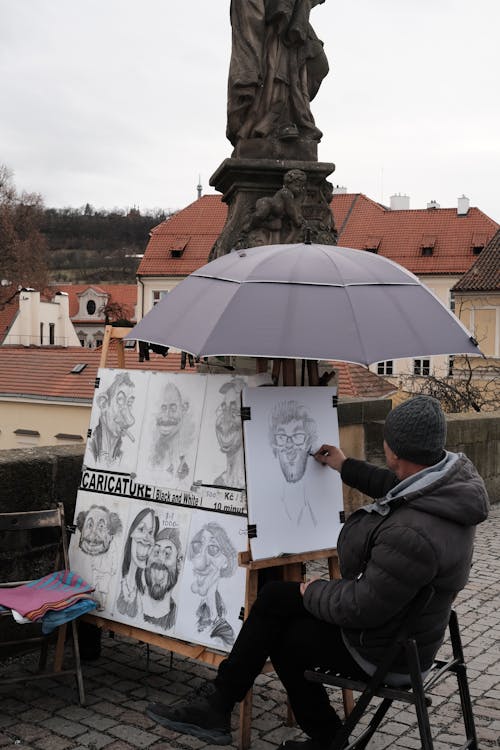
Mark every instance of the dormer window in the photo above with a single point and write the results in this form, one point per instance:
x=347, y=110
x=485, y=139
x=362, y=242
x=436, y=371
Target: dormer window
x=427, y=245
x=178, y=246
x=479, y=240
x=372, y=244
x=91, y=307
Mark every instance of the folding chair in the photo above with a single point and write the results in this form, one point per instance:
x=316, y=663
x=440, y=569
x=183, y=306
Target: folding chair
x=27, y=526
x=416, y=694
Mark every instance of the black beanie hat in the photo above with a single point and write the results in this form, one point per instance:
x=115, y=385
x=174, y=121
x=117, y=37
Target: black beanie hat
x=416, y=430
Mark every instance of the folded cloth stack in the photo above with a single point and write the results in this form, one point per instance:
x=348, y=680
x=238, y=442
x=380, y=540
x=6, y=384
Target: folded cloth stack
x=54, y=599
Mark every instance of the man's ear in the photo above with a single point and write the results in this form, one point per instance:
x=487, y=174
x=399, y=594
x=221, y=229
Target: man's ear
x=185, y=406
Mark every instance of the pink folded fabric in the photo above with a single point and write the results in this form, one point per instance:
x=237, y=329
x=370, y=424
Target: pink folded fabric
x=54, y=591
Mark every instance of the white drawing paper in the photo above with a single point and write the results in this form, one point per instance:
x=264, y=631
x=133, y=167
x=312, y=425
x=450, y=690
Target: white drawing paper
x=212, y=590
x=293, y=501
x=115, y=420
x=95, y=548
x=220, y=461
x=170, y=430
x=151, y=566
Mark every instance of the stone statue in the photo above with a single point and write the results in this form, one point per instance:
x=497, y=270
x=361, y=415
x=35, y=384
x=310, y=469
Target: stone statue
x=278, y=218
x=277, y=66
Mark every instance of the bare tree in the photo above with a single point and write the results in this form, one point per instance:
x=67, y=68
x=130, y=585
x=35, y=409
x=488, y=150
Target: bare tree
x=23, y=260
x=470, y=385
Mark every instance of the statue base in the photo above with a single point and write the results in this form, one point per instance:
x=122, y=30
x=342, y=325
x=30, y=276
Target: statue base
x=267, y=205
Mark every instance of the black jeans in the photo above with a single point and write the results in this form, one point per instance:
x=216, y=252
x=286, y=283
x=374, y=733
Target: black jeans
x=280, y=628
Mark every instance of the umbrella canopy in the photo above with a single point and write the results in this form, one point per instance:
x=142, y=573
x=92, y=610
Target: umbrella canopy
x=304, y=301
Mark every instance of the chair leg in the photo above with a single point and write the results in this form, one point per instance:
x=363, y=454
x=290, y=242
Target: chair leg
x=78, y=664
x=419, y=694
x=463, y=683
x=59, y=652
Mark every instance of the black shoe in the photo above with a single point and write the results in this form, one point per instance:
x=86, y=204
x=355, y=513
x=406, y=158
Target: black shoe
x=198, y=716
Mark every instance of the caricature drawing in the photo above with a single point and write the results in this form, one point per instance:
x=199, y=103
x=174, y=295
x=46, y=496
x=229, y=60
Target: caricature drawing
x=161, y=575
x=137, y=548
x=212, y=556
x=292, y=433
x=230, y=435
x=168, y=448
x=98, y=527
x=115, y=420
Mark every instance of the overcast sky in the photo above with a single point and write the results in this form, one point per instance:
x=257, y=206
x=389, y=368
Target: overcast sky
x=122, y=103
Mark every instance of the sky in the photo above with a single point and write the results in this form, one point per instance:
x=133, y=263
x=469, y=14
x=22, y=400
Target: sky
x=122, y=104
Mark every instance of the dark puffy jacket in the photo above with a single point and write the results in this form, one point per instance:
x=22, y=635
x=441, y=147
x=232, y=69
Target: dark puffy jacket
x=426, y=539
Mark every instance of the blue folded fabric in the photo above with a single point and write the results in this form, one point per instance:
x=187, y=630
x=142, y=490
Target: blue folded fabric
x=55, y=617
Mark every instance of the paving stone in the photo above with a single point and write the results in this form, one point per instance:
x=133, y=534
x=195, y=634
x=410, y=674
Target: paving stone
x=136, y=737
x=27, y=732
x=95, y=740
x=63, y=726
x=52, y=742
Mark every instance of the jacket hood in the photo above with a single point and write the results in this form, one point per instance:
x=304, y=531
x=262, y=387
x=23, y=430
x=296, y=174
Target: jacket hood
x=458, y=494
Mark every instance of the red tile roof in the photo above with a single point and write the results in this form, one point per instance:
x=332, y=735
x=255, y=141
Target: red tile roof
x=356, y=381
x=124, y=294
x=484, y=275
x=45, y=372
x=361, y=223
x=193, y=230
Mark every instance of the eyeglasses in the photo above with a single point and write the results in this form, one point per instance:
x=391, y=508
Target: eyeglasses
x=298, y=438
x=212, y=549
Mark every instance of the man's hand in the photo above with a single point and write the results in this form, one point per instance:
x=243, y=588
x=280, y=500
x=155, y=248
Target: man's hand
x=331, y=456
x=305, y=584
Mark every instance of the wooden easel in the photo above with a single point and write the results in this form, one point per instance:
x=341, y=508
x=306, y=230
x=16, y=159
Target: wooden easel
x=291, y=567
x=110, y=332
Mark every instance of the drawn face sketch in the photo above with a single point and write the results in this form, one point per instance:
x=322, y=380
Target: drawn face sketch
x=141, y=538
x=168, y=422
x=163, y=564
x=212, y=556
x=292, y=432
x=115, y=420
x=228, y=417
x=229, y=433
x=97, y=528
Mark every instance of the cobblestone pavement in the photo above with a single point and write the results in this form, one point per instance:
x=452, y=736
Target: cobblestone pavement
x=46, y=715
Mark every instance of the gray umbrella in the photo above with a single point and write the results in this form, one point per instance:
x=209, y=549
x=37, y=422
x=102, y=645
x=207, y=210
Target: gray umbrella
x=308, y=302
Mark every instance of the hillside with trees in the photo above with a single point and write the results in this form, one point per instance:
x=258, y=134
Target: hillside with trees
x=67, y=245
x=85, y=245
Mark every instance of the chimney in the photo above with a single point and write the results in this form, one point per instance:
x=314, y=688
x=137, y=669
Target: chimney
x=463, y=206
x=433, y=204
x=400, y=202
x=199, y=186
x=339, y=190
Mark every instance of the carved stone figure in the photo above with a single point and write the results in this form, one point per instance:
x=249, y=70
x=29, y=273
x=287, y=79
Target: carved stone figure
x=277, y=66
x=279, y=216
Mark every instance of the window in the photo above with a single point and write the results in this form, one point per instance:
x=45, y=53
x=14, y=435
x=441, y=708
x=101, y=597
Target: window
x=41, y=334
x=451, y=362
x=78, y=368
x=82, y=342
x=98, y=342
x=385, y=368
x=52, y=328
x=427, y=245
x=157, y=296
x=421, y=366
x=91, y=307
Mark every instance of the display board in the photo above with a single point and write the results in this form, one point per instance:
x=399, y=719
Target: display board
x=294, y=503
x=161, y=510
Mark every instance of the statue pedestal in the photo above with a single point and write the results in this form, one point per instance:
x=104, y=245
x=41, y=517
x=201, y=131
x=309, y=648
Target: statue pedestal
x=243, y=182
